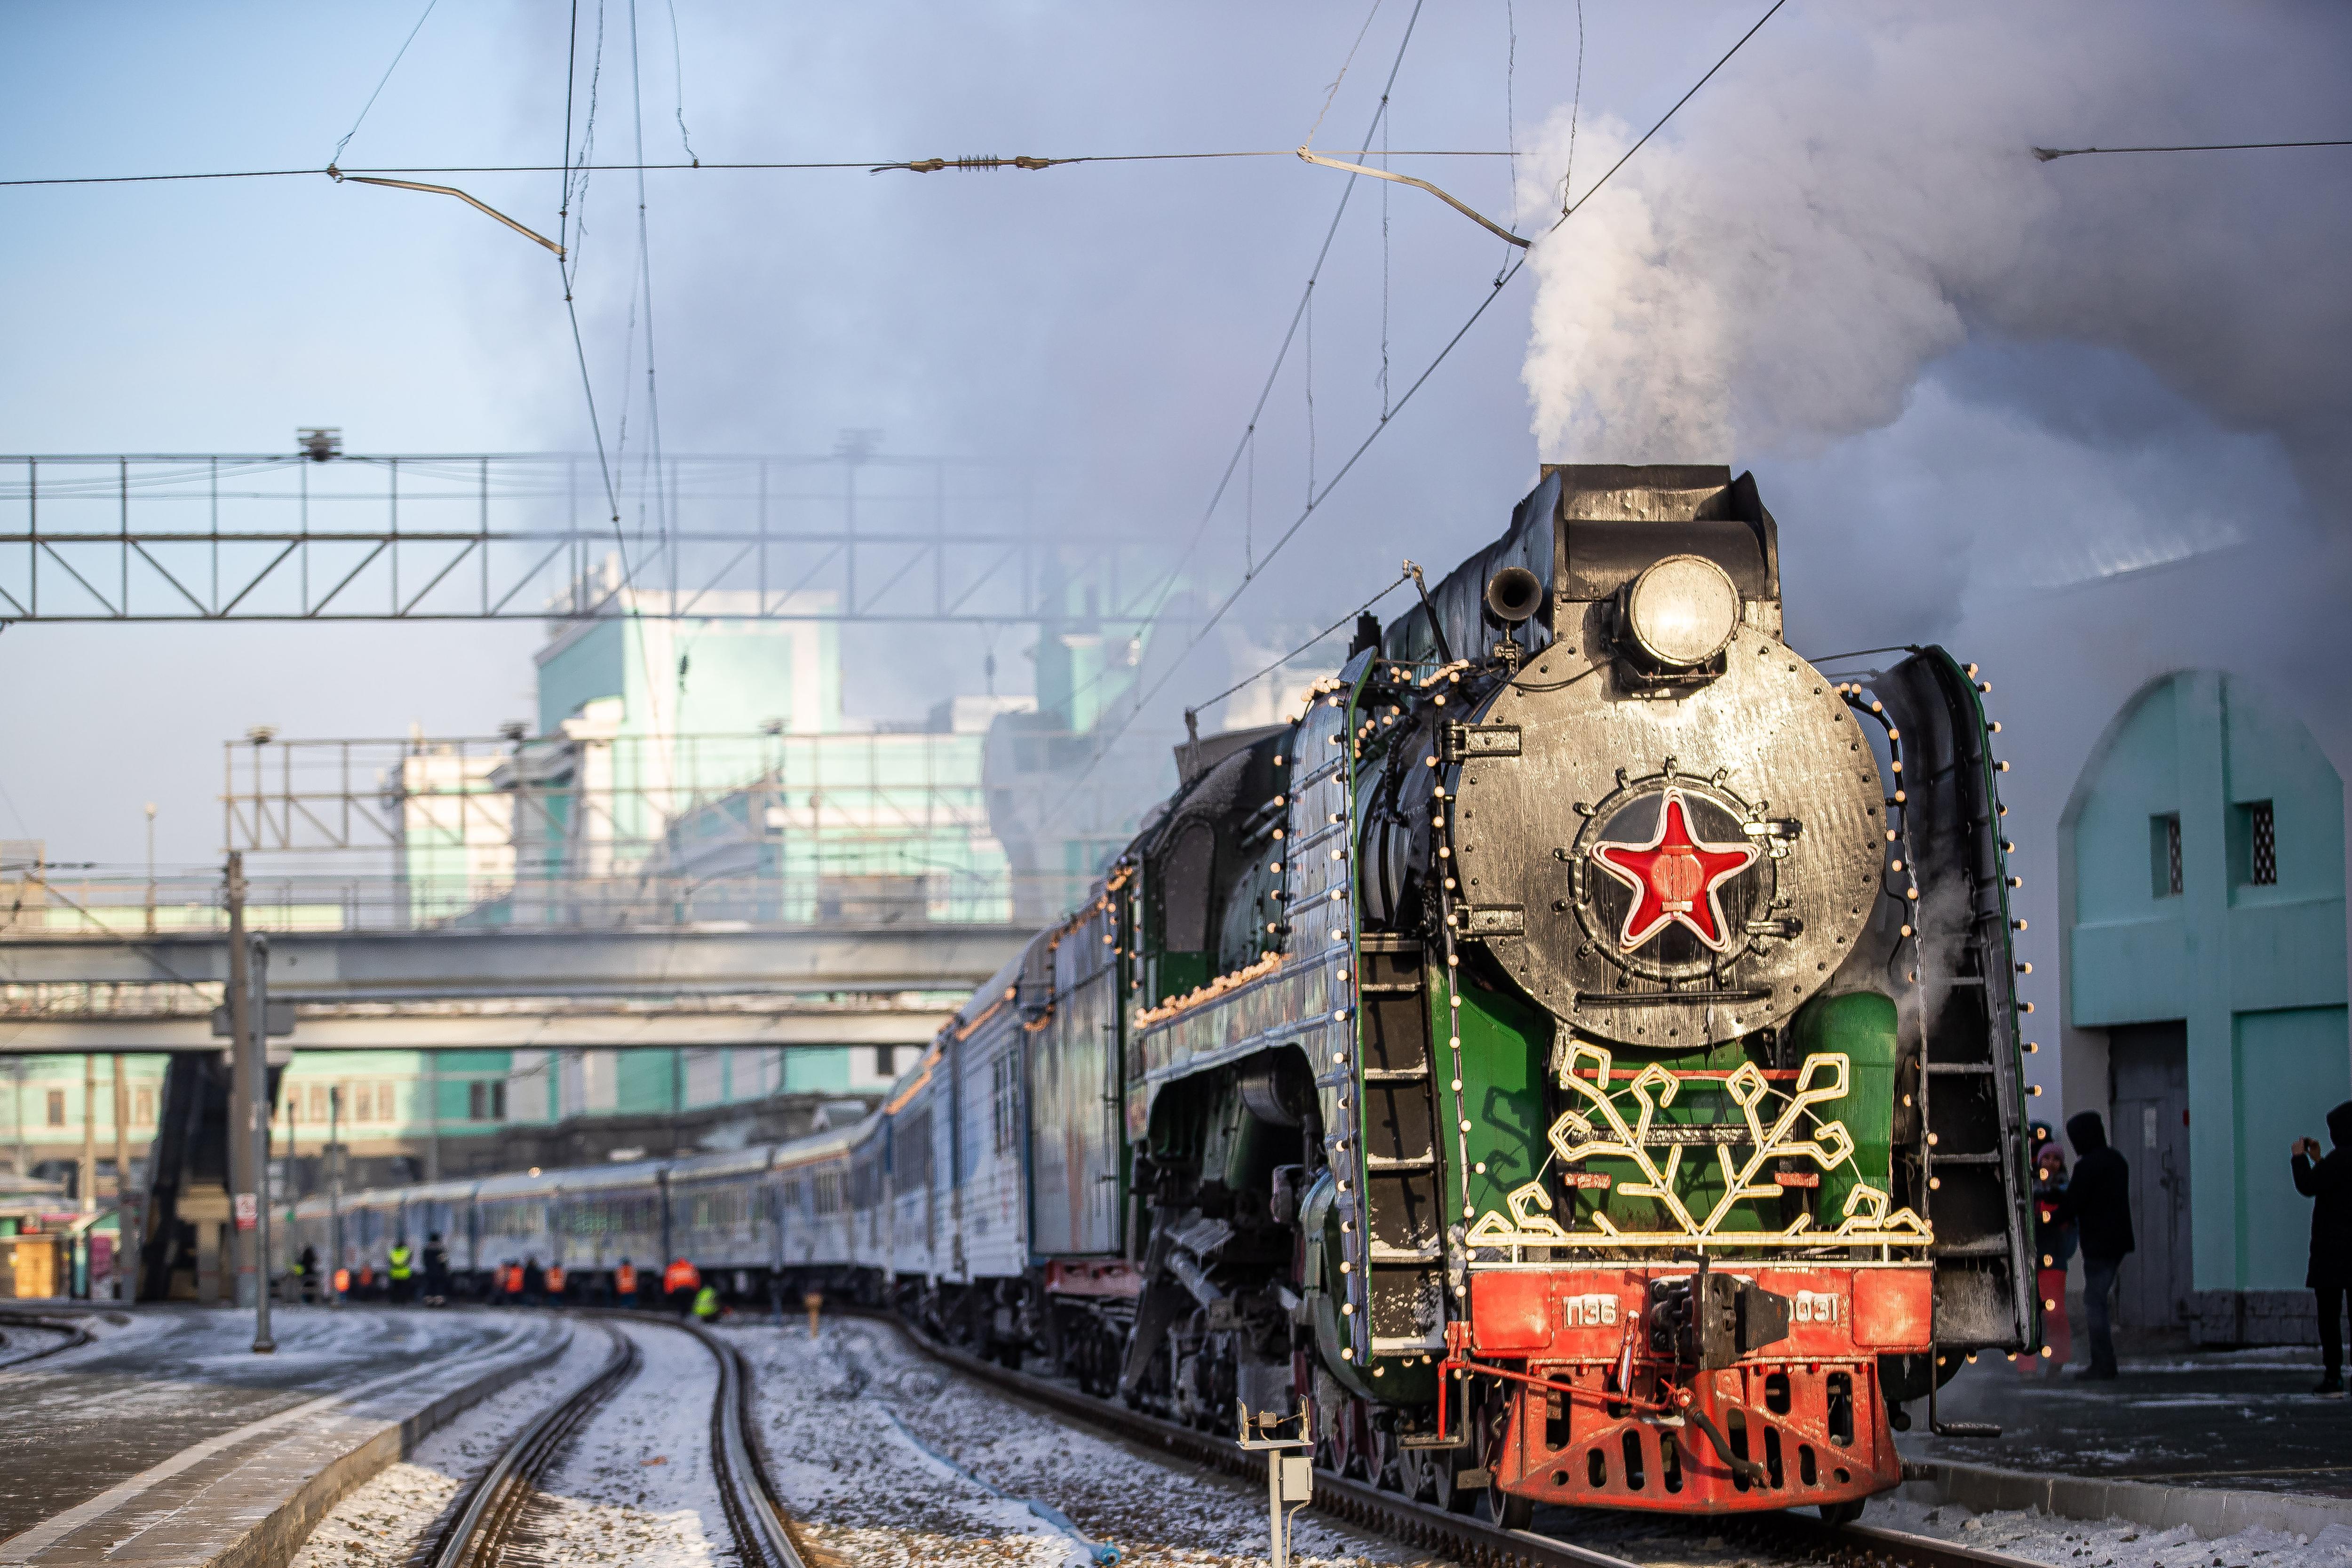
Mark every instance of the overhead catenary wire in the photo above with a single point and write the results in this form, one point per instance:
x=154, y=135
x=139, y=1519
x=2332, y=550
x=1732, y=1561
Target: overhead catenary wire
x=381, y=83
x=1568, y=210
x=568, y=266
x=1402, y=578
x=2046, y=154
x=1495, y=290
x=1161, y=593
x=872, y=165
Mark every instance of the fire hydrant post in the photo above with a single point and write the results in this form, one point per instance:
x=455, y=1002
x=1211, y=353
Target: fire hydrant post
x=815, y=1302
x=1289, y=1478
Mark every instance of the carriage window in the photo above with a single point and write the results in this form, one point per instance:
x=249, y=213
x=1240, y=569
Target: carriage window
x=1007, y=1084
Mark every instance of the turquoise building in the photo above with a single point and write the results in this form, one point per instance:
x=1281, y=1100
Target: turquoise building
x=2201, y=882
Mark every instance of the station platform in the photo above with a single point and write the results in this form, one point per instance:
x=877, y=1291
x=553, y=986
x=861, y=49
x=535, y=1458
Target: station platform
x=168, y=1440
x=2245, y=1420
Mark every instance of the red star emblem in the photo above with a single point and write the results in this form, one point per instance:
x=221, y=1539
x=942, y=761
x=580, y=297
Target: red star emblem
x=1675, y=878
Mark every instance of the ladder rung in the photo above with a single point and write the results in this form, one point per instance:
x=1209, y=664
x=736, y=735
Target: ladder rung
x=1384, y=1253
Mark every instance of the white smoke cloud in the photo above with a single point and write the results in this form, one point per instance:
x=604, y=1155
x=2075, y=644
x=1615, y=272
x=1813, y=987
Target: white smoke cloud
x=1855, y=196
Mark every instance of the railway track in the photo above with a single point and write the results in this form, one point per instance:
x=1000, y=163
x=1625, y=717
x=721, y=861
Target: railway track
x=71, y=1330
x=1783, y=1536
x=489, y=1518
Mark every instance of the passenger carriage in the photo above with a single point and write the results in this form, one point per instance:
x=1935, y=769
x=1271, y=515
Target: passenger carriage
x=722, y=1212
x=611, y=1213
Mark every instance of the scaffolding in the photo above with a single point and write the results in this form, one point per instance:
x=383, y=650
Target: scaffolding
x=585, y=828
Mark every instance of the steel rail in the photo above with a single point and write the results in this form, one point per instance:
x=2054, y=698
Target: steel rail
x=473, y=1530
x=738, y=1461
x=1459, y=1536
x=76, y=1334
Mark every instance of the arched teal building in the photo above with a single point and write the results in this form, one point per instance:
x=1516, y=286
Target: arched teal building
x=2201, y=865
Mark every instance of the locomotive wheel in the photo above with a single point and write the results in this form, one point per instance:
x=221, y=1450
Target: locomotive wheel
x=1385, y=1460
x=1444, y=1488
x=1417, y=1471
x=1509, y=1510
x=1841, y=1512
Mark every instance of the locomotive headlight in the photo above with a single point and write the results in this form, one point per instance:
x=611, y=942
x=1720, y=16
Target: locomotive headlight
x=1682, y=610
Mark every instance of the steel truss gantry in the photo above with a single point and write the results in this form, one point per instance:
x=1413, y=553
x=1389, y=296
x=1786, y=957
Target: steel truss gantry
x=856, y=536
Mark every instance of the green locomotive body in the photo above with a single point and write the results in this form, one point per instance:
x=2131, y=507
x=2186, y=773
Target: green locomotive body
x=1578, y=1057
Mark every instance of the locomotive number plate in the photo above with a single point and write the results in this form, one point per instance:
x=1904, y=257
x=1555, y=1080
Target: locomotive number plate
x=1597, y=1310
x=1816, y=1306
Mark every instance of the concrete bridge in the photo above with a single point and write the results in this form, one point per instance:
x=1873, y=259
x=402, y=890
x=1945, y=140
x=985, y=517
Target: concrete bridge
x=663, y=987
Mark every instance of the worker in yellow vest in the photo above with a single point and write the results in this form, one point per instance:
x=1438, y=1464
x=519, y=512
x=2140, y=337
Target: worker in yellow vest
x=400, y=1264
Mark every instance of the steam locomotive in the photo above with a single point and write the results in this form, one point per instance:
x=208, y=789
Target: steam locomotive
x=1578, y=1060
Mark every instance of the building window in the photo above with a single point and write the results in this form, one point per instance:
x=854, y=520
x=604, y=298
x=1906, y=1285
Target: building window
x=385, y=1104
x=56, y=1108
x=886, y=1062
x=2261, y=845
x=486, y=1100
x=363, y=1103
x=142, y=1106
x=2164, y=855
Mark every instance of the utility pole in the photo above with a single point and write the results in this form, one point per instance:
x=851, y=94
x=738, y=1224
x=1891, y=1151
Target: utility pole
x=245, y=1094
x=334, y=1154
x=256, y=1046
x=89, y=1183
x=129, y=1216
x=151, y=868
x=433, y=1115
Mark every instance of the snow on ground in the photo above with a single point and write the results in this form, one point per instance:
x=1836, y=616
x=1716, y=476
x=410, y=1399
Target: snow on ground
x=2081, y=1543
x=376, y=1525
x=860, y=1492
x=20, y=1341
x=635, y=1486
x=110, y=1331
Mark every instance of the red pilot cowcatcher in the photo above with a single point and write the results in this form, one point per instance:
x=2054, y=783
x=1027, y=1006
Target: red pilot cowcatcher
x=1675, y=878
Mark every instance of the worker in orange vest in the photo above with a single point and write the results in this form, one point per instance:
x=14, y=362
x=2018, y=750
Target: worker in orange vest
x=555, y=1283
x=681, y=1280
x=514, y=1272
x=624, y=1283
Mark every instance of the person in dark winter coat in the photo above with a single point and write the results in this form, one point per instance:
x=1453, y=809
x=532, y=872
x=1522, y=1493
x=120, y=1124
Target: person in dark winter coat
x=436, y=1271
x=2097, y=1199
x=2328, y=1181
